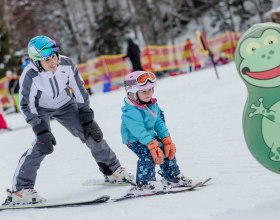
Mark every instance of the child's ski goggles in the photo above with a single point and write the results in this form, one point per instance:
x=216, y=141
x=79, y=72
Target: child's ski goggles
x=142, y=79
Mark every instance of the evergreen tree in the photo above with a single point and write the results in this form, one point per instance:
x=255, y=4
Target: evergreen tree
x=110, y=32
x=8, y=61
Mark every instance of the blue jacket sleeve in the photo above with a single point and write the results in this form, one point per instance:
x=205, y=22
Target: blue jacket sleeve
x=134, y=121
x=160, y=125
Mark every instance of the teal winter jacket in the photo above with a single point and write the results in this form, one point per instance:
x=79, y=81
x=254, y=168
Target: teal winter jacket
x=142, y=123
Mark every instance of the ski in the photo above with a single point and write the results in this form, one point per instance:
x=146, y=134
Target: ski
x=131, y=195
x=99, y=182
x=96, y=201
x=205, y=182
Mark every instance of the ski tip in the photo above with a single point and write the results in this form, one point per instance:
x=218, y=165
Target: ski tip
x=104, y=198
x=198, y=184
x=206, y=181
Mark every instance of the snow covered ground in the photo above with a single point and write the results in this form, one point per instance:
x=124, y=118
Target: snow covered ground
x=204, y=116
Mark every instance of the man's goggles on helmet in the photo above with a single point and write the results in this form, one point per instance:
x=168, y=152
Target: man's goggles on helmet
x=48, y=50
x=142, y=79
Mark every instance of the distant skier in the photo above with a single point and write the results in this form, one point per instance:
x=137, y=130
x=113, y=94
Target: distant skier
x=133, y=53
x=144, y=131
x=45, y=93
x=190, y=56
x=14, y=90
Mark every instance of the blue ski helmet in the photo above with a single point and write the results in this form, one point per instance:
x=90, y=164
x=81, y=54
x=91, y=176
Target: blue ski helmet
x=40, y=48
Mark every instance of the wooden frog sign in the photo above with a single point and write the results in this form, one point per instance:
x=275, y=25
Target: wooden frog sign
x=257, y=59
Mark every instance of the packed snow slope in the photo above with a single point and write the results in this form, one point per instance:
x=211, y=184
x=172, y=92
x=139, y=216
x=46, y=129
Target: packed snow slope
x=204, y=116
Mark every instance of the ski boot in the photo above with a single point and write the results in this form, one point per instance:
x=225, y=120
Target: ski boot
x=178, y=181
x=23, y=197
x=146, y=187
x=150, y=185
x=121, y=176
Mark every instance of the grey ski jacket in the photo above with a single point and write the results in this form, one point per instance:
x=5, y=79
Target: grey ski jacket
x=50, y=90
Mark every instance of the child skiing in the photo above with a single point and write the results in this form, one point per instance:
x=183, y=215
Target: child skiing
x=44, y=93
x=144, y=131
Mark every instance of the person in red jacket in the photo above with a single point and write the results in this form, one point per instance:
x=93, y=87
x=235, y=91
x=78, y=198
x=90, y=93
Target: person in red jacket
x=190, y=56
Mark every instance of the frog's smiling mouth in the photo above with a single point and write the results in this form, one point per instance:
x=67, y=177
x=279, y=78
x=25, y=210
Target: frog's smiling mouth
x=262, y=75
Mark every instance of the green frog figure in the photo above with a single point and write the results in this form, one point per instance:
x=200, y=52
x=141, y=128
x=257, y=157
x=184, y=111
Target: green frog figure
x=257, y=59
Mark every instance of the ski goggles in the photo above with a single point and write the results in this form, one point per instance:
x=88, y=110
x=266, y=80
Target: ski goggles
x=48, y=50
x=142, y=79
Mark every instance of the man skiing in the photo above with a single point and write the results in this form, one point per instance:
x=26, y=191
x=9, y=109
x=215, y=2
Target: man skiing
x=44, y=93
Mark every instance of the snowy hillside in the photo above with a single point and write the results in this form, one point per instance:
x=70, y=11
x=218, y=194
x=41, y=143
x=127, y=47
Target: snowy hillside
x=204, y=116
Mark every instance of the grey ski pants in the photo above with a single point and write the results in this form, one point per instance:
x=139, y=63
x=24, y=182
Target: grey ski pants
x=68, y=116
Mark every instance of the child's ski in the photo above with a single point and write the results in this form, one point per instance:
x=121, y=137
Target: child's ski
x=100, y=182
x=205, y=182
x=98, y=200
x=138, y=194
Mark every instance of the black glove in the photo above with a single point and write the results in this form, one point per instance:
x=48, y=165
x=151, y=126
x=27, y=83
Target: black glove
x=45, y=139
x=91, y=128
x=45, y=142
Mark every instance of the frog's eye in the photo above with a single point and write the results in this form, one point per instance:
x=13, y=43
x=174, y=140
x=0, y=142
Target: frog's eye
x=251, y=47
x=271, y=39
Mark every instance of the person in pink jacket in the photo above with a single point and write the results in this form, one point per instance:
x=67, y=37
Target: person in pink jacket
x=3, y=124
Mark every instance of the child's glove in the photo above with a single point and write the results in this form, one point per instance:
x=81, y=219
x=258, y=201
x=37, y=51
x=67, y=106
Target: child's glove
x=156, y=152
x=169, y=148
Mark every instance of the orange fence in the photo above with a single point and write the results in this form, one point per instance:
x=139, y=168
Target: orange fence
x=170, y=57
x=111, y=69
x=98, y=71
x=103, y=69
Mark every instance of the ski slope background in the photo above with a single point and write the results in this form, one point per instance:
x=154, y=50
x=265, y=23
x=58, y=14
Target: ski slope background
x=204, y=116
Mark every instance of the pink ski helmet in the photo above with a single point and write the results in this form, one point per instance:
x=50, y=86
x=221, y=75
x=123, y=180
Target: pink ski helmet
x=138, y=80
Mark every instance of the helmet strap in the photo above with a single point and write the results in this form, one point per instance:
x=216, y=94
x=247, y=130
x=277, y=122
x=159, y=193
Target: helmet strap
x=137, y=98
x=40, y=67
x=57, y=54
